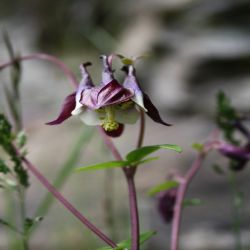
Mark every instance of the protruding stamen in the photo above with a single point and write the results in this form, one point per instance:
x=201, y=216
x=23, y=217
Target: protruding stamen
x=109, y=123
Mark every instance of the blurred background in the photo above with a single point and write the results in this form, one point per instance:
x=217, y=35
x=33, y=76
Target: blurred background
x=196, y=48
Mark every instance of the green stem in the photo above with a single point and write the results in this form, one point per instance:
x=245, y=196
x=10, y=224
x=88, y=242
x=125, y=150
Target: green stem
x=22, y=197
x=237, y=210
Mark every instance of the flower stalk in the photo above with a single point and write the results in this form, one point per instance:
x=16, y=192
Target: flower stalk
x=66, y=203
x=184, y=183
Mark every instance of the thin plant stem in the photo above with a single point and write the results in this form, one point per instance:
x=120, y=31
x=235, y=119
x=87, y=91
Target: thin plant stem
x=142, y=129
x=23, y=218
x=182, y=190
x=41, y=56
x=237, y=207
x=134, y=215
x=66, y=203
x=129, y=174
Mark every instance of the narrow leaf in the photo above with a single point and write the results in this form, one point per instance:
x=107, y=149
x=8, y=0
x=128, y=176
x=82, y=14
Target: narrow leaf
x=126, y=244
x=140, y=153
x=163, y=187
x=103, y=165
x=149, y=159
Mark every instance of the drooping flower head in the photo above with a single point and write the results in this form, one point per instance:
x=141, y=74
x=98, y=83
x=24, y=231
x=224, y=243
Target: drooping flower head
x=109, y=105
x=166, y=203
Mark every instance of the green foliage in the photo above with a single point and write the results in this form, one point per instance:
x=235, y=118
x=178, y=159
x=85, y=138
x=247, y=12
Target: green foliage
x=163, y=187
x=126, y=244
x=133, y=159
x=29, y=223
x=6, y=142
x=12, y=93
x=192, y=202
x=198, y=146
x=8, y=225
x=21, y=139
x=103, y=165
x=3, y=167
x=140, y=153
x=226, y=116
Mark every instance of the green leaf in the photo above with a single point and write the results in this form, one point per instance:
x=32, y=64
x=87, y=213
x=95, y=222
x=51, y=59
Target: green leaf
x=163, y=187
x=192, y=202
x=6, y=141
x=3, y=167
x=126, y=244
x=7, y=224
x=103, y=165
x=21, y=139
x=226, y=116
x=140, y=153
x=198, y=146
x=149, y=159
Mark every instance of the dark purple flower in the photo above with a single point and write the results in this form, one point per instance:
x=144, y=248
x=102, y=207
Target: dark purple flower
x=166, y=203
x=110, y=104
x=234, y=152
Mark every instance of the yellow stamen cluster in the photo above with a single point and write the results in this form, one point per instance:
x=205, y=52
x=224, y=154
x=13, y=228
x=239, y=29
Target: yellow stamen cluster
x=109, y=123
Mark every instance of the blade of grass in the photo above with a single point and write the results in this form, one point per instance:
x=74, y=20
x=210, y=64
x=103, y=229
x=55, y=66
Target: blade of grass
x=65, y=172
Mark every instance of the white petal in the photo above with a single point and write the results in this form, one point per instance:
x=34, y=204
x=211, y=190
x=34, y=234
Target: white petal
x=90, y=117
x=138, y=99
x=128, y=116
x=78, y=109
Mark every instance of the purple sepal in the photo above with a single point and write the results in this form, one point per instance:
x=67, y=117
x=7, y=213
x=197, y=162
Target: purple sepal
x=152, y=111
x=68, y=107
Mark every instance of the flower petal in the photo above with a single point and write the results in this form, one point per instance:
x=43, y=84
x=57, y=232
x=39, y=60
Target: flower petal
x=113, y=93
x=68, y=106
x=86, y=83
x=140, y=98
x=131, y=83
x=107, y=73
x=127, y=116
x=153, y=112
x=90, y=117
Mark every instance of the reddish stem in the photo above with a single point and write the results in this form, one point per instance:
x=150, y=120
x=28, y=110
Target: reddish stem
x=66, y=203
x=183, y=187
x=46, y=57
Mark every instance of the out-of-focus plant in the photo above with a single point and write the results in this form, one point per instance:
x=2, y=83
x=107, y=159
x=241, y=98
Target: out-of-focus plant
x=236, y=148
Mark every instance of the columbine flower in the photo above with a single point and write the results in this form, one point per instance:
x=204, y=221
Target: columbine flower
x=166, y=203
x=240, y=156
x=110, y=104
